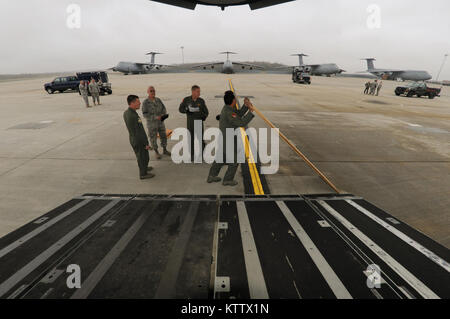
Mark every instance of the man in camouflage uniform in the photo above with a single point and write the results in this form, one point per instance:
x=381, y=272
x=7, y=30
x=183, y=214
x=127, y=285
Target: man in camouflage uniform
x=154, y=110
x=366, y=87
x=84, y=92
x=138, y=137
x=231, y=118
x=95, y=91
x=373, y=87
x=195, y=109
x=379, y=86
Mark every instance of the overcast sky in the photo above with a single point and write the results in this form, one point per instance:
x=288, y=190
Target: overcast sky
x=413, y=34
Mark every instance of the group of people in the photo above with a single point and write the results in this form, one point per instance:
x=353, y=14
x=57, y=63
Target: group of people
x=373, y=88
x=91, y=87
x=195, y=108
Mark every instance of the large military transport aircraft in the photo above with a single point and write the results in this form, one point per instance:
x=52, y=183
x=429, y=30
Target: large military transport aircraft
x=318, y=69
x=392, y=74
x=253, y=4
x=227, y=67
x=139, y=68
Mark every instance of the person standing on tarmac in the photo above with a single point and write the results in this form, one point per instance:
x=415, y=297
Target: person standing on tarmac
x=138, y=137
x=373, y=87
x=153, y=110
x=195, y=109
x=95, y=91
x=379, y=86
x=367, y=86
x=84, y=92
x=230, y=118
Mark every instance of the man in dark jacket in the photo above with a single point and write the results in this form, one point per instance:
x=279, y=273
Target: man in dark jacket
x=195, y=109
x=230, y=118
x=138, y=137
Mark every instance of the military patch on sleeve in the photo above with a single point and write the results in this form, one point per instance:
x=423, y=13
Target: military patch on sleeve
x=233, y=114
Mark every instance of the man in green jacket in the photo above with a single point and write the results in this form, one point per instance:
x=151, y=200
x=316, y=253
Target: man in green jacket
x=230, y=118
x=195, y=109
x=138, y=137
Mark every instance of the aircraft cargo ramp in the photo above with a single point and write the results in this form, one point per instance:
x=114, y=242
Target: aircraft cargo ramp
x=159, y=246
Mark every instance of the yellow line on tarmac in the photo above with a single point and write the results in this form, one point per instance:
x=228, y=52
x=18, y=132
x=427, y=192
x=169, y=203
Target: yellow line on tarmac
x=294, y=148
x=256, y=180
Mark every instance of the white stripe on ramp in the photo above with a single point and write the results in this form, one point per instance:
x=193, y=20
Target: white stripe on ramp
x=438, y=260
x=41, y=228
x=42, y=257
x=420, y=287
x=255, y=277
x=325, y=269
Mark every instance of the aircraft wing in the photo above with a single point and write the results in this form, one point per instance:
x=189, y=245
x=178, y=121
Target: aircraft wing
x=163, y=65
x=285, y=67
x=249, y=65
x=386, y=70
x=206, y=65
x=254, y=4
x=153, y=65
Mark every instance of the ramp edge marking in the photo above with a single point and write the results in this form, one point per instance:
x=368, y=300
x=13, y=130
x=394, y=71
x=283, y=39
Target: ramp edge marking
x=325, y=269
x=100, y=270
x=255, y=277
x=418, y=285
x=41, y=228
x=42, y=257
x=428, y=253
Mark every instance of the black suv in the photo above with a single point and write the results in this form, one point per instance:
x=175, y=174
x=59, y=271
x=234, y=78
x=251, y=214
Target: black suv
x=418, y=89
x=72, y=82
x=62, y=84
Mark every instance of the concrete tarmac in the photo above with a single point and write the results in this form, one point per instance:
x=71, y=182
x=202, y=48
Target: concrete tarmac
x=393, y=151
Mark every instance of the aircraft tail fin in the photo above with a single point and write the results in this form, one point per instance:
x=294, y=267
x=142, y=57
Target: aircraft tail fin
x=300, y=58
x=370, y=65
x=227, y=53
x=152, y=54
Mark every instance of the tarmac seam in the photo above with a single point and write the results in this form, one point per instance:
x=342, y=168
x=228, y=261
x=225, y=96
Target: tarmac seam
x=52, y=148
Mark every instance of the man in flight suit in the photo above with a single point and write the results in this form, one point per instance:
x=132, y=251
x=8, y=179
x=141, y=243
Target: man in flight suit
x=95, y=91
x=138, y=137
x=153, y=109
x=84, y=92
x=233, y=118
x=195, y=109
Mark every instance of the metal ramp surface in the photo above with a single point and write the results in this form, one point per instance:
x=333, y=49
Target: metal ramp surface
x=158, y=246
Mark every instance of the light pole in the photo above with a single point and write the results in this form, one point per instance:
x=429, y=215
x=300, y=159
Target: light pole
x=442, y=66
x=182, y=53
